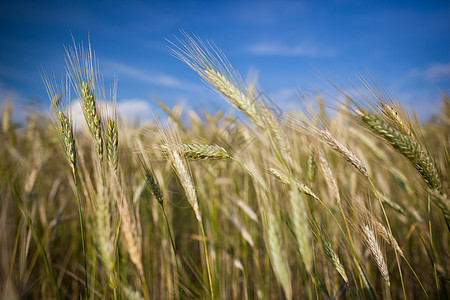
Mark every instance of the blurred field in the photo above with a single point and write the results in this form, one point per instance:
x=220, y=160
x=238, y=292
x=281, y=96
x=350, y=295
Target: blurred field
x=273, y=205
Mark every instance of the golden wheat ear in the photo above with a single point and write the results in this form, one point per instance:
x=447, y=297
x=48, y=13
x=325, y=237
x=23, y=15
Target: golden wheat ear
x=212, y=65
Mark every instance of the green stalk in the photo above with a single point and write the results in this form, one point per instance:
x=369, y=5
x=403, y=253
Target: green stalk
x=81, y=231
x=171, y=239
x=207, y=261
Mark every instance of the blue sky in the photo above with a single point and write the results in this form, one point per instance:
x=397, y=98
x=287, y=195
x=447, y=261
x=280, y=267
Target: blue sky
x=290, y=45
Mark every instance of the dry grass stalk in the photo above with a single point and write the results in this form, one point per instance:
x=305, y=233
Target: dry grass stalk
x=377, y=254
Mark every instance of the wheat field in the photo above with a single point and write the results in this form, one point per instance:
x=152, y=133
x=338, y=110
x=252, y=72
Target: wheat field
x=342, y=199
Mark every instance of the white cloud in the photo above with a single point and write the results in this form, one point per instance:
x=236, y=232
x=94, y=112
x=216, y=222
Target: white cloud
x=437, y=71
x=16, y=99
x=128, y=110
x=135, y=109
x=157, y=79
x=281, y=49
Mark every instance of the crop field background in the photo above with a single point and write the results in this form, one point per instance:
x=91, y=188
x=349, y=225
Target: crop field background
x=346, y=197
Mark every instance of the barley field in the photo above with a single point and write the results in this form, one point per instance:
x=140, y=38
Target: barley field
x=344, y=198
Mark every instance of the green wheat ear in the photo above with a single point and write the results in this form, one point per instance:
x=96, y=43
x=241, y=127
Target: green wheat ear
x=333, y=256
x=92, y=116
x=112, y=145
x=199, y=151
x=153, y=185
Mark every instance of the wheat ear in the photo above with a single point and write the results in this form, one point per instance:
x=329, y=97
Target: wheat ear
x=415, y=153
x=301, y=227
x=343, y=151
x=112, y=144
x=281, y=176
x=212, y=65
x=377, y=254
x=199, y=151
x=277, y=252
x=334, y=257
x=92, y=116
x=411, y=149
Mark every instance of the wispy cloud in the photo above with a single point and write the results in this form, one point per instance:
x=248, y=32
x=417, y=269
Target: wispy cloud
x=433, y=71
x=438, y=71
x=152, y=78
x=282, y=49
